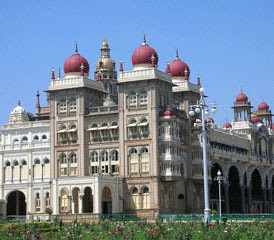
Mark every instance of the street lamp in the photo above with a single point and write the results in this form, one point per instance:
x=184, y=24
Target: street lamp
x=219, y=178
x=203, y=108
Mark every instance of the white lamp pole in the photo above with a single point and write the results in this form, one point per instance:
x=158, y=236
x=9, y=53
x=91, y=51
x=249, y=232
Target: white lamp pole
x=202, y=108
x=219, y=178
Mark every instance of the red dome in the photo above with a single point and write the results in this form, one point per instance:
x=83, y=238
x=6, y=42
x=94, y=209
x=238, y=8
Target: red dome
x=177, y=68
x=143, y=54
x=209, y=119
x=241, y=98
x=227, y=125
x=263, y=106
x=73, y=64
x=168, y=113
x=255, y=119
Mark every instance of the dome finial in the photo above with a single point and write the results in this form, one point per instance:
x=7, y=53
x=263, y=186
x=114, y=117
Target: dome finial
x=177, y=53
x=144, y=40
x=59, y=74
x=198, y=80
x=52, y=73
x=19, y=103
x=76, y=48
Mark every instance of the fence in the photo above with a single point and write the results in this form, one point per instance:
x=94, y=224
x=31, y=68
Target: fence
x=132, y=217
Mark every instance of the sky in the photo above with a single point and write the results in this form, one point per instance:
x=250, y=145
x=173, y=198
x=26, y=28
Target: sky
x=229, y=43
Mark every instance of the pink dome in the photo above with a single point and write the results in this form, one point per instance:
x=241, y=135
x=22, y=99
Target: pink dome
x=241, y=97
x=177, y=67
x=143, y=55
x=255, y=119
x=263, y=106
x=227, y=125
x=169, y=113
x=74, y=62
x=209, y=119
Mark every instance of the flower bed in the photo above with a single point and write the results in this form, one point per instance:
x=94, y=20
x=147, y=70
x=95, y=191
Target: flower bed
x=138, y=230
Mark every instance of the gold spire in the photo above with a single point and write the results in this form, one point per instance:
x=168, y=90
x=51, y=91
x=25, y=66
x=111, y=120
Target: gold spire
x=177, y=53
x=144, y=40
x=76, y=48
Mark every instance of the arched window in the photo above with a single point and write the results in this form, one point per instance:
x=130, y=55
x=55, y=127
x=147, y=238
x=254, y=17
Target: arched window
x=94, y=157
x=73, y=105
x=15, y=163
x=145, y=198
x=37, y=202
x=63, y=106
x=104, y=124
x=64, y=201
x=114, y=124
x=24, y=162
x=46, y=161
x=47, y=200
x=37, y=161
x=132, y=127
x=73, y=158
x=134, y=160
x=132, y=99
x=24, y=139
x=35, y=138
x=104, y=156
x=135, y=198
x=7, y=164
x=44, y=137
x=144, y=160
x=114, y=156
x=63, y=159
x=94, y=125
x=143, y=97
x=16, y=141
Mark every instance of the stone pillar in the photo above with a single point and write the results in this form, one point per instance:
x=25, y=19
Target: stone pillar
x=55, y=197
x=264, y=201
x=226, y=198
x=80, y=203
x=270, y=200
x=97, y=195
x=243, y=199
x=72, y=205
x=249, y=199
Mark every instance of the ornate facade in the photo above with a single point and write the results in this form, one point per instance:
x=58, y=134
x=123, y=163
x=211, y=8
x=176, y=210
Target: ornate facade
x=128, y=145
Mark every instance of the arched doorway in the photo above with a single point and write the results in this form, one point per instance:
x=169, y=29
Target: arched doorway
x=16, y=204
x=88, y=201
x=214, y=188
x=181, y=203
x=106, y=201
x=75, y=194
x=234, y=191
x=256, y=191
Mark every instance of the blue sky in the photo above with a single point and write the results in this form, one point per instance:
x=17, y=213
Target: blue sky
x=229, y=43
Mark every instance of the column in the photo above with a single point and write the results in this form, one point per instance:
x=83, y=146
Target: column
x=72, y=205
x=55, y=198
x=270, y=200
x=249, y=199
x=97, y=209
x=264, y=200
x=226, y=198
x=243, y=199
x=80, y=203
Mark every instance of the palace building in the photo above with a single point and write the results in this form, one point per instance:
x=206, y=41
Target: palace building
x=125, y=143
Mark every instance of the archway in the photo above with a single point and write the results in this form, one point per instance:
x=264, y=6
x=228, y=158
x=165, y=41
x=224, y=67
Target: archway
x=256, y=191
x=234, y=191
x=181, y=203
x=75, y=195
x=106, y=201
x=16, y=204
x=214, y=188
x=88, y=201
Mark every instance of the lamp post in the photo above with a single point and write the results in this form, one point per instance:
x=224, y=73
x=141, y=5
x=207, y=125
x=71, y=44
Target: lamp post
x=202, y=107
x=219, y=178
